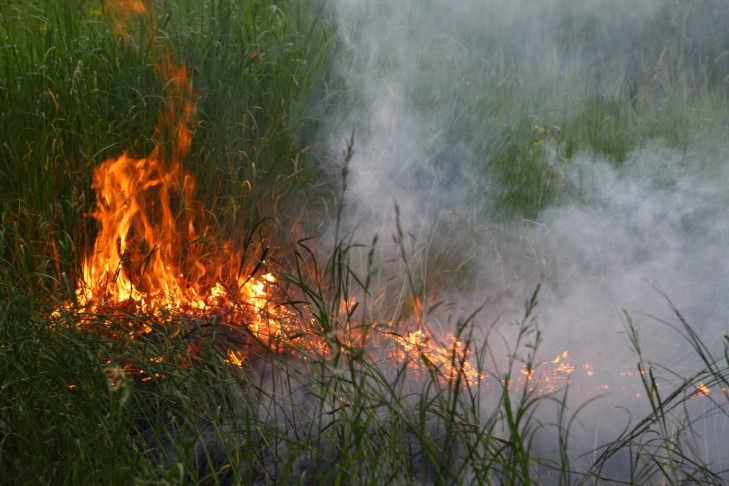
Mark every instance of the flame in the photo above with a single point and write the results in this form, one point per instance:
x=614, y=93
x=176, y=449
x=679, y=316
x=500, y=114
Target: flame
x=152, y=254
x=418, y=348
x=552, y=375
x=143, y=252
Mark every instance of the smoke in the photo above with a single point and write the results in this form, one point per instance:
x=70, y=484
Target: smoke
x=439, y=88
x=632, y=238
x=652, y=225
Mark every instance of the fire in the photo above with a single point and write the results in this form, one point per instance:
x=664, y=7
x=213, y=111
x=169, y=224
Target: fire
x=144, y=252
x=553, y=375
x=144, y=262
x=154, y=254
x=123, y=186
x=418, y=348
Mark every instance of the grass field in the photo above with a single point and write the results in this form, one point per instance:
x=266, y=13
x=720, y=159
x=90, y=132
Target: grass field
x=499, y=130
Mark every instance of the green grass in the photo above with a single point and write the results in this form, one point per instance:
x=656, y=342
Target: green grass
x=74, y=92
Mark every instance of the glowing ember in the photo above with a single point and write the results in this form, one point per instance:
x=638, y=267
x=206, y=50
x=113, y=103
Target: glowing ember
x=452, y=360
x=701, y=390
x=588, y=369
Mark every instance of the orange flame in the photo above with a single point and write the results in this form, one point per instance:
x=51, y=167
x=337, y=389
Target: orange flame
x=418, y=349
x=150, y=255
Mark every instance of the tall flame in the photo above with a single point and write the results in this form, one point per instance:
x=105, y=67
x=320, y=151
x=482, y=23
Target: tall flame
x=149, y=253
x=142, y=251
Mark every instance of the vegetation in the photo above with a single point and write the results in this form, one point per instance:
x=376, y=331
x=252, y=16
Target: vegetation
x=82, y=406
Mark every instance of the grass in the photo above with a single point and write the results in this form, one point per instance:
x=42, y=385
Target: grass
x=83, y=403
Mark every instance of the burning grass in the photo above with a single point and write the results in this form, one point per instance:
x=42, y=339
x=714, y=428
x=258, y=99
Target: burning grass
x=187, y=351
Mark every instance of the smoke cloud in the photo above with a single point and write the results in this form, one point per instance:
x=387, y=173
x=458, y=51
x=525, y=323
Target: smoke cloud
x=428, y=82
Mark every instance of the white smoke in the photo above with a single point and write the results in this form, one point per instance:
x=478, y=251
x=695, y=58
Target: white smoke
x=653, y=220
x=622, y=234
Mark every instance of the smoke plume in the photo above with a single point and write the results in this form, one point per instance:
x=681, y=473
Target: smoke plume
x=440, y=88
